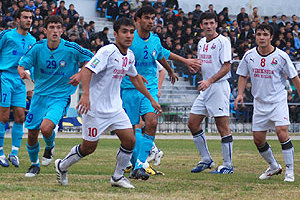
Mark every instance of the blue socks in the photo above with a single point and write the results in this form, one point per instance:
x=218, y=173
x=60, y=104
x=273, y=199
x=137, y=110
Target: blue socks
x=50, y=141
x=2, y=134
x=33, y=152
x=138, y=143
x=145, y=149
x=17, y=135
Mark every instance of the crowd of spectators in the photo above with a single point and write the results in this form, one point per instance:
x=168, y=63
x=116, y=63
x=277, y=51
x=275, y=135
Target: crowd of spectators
x=178, y=31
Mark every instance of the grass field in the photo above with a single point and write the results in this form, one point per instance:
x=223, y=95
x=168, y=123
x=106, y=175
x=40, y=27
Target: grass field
x=89, y=179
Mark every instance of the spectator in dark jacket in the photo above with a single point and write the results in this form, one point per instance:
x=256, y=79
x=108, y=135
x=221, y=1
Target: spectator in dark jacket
x=240, y=17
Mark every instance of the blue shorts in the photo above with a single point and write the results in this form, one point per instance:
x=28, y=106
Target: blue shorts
x=12, y=90
x=136, y=104
x=44, y=107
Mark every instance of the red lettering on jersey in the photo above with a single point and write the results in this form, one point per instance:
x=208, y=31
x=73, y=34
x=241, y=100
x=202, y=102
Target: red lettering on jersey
x=205, y=48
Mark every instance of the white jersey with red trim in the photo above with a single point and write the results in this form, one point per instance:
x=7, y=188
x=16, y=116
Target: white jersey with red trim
x=214, y=54
x=268, y=74
x=109, y=66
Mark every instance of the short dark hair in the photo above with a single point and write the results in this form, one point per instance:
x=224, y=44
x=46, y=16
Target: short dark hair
x=145, y=10
x=208, y=15
x=264, y=27
x=19, y=12
x=123, y=21
x=53, y=19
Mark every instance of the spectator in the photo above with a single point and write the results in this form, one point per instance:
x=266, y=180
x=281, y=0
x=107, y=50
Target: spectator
x=246, y=21
x=96, y=44
x=44, y=9
x=146, y=3
x=297, y=42
x=31, y=6
x=101, y=6
x=92, y=32
x=38, y=3
x=13, y=9
x=124, y=9
x=135, y=5
x=172, y=4
x=158, y=4
x=225, y=12
x=283, y=21
x=21, y=4
x=158, y=18
x=288, y=27
x=37, y=15
x=241, y=16
x=7, y=18
x=103, y=36
x=52, y=8
x=295, y=20
x=255, y=15
x=73, y=31
x=189, y=46
x=295, y=30
x=73, y=37
x=197, y=12
x=73, y=14
x=211, y=9
x=80, y=24
x=275, y=26
x=247, y=34
x=60, y=10
x=83, y=41
x=86, y=30
x=2, y=23
x=112, y=9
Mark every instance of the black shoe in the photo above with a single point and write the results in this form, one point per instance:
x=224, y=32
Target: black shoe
x=48, y=156
x=32, y=171
x=139, y=174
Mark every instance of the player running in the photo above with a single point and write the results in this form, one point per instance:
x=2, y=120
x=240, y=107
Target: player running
x=14, y=43
x=55, y=62
x=214, y=50
x=101, y=104
x=267, y=67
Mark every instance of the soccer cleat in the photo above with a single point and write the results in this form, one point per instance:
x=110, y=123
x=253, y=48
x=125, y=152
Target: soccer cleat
x=139, y=174
x=3, y=161
x=32, y=171
x=289, y=177
x=223, y=170
x=48, y=156
x=151, y=156
x=121, y=182
x=151, y=171
x=128, y=169
x=158, y=157
x=14, y=160
x=62, y=177
x=269, y=172
x=202, y=166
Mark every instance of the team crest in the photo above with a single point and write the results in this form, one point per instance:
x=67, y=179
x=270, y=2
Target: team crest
x=213, y=46
x=274, y=61
x=29, y=46
x=154, y=52
x=62, y=63
x=95, y=63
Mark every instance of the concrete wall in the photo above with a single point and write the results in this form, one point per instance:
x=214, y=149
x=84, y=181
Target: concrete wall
x=85, y=8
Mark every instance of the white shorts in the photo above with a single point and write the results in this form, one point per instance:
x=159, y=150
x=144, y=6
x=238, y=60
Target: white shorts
x=94, y=126
x=214, y=101
x=269, y=115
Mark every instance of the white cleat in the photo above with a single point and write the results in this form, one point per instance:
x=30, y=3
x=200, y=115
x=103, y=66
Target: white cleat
x=269, y=172
x=48, y=156
x=158, y=157
x=289, y=177
x=62, y=177
x=151, y=156
x=121, y=182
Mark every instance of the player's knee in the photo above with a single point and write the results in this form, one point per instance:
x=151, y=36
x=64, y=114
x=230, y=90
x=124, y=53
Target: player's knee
x=4, y=117
x=46, y=130
x=20, y=119
x=152, y=123
x=259, y=142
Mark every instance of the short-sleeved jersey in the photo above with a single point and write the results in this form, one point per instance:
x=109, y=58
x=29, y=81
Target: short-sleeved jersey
x=110, y=66
x=214, y=54
x=146, y=52
x=13, y=46
x=52, y=69
x=267, y=74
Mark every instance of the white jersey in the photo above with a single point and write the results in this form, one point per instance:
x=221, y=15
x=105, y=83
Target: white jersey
x=267, y=74
x=214, y=54
x=110, y=66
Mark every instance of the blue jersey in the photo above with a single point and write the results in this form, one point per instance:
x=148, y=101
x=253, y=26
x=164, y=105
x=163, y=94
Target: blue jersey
x=52, y=69
x=13, y=46
x=146, y=52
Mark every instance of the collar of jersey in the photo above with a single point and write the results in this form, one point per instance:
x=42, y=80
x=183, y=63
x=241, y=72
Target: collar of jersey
x=145, y=39
x=212, y=38
x=267, y=54
x=120, y=50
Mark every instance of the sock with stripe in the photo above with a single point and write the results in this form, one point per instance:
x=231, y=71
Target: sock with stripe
x=227, y=143
x=17, y=135
x=266, y=152
x=50, y=140
x=73, y=157
x=288, y=155
x=33, y=152
x=123, y=157
x=200, y=142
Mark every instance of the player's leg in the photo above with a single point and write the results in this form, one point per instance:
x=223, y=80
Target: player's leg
x=33, y=148
x=287, y=151
x=266, y=152
x=124, y=154
x=4, y=115
x=227, y=144
x=17, y=134
x=199, y=138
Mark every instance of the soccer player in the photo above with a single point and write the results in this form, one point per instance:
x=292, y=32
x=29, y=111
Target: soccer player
x=14, y=43
x=147, y=48
x=101, y=103
x=55, y=70
x=267, y=67
x=214, y=50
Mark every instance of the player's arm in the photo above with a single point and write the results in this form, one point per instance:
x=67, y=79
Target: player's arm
x=172, y=75
x=241, y=87
x=296, y=83
x=161, y=78
x=23, y=74
x=140, y=86
x=84, y=103
x=194, y=65
x=75, y=79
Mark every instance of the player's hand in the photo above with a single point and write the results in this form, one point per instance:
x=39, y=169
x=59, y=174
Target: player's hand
x=159, y=93
x=84, y=104
x=203, y=85
x=24, y=75
x=239, y=99
x=157, y=107
x=75, y=79
x=173, y=77
x=194, y=65
x=144, y=79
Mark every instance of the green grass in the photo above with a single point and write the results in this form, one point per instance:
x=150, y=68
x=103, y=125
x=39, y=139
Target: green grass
x=89, y=179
